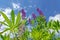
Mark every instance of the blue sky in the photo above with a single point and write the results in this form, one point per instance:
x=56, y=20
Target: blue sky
x=49, y=7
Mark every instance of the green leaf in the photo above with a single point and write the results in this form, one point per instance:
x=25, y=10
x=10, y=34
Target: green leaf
x=58, y=23
x=3, y=23
x=2, y=37
x=4, y=31
x=23, y=21
x=12, y=16
x=6, y=18
x=20, y=23
x=18, y=18
x=32, y=22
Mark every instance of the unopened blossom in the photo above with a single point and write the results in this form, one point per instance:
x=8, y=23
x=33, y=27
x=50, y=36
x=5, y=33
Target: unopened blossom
x=33, y=15
x=39, y=11
x=23, y=14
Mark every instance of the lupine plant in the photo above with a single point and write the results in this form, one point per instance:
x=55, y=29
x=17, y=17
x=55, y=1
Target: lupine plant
x=41, y=31
x=40, y=28
x=13, y=24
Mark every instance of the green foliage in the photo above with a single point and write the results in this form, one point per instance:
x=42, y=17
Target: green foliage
x=18, y=19
x=39, y=30
x=12, y=16
x=6, y=18
x=12, y=23
x=25, y=35
x=5, y=37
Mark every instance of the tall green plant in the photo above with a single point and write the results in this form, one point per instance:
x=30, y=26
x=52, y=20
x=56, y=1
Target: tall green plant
x=41, y=31
x=13, y=22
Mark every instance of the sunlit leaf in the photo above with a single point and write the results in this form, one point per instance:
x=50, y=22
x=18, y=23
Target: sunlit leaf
x=6, y=18
x=13, y=16
x=18, y=18
x=3, y=23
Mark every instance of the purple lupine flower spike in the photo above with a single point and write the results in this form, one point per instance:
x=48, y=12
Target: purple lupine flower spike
x=23, y=14
x=40, y=12
x=33, y=15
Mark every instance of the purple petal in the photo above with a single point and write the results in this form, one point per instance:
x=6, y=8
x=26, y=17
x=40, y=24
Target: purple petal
x=33, y=15
x=23, y=14
x=39, y=11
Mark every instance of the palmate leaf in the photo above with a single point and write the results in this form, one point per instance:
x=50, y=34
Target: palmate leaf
x=12, y=17
x=6, y=18
x=20, y=23
x=18, y=18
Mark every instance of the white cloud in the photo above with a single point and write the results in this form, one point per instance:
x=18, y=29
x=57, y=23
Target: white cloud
x=2, y=28
x=15, y=6
x=1, y=18
x=55, y=18
x=6, y=11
